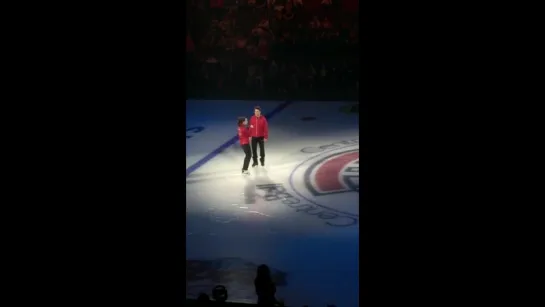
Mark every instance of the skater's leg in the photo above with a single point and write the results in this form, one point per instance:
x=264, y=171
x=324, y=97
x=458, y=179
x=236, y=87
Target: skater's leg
x=247, y=157
x=254, y=151
x=262, y=151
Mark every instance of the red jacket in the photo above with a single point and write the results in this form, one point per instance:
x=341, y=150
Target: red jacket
x=243, y=135
x=260, y=127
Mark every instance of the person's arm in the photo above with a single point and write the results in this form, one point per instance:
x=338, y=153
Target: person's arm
x=266, y=128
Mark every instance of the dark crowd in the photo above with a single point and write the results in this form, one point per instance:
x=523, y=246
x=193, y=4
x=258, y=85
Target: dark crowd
x=257, y=48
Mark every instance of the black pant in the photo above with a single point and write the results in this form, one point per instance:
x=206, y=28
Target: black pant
x=246, y=148
x=255, y=141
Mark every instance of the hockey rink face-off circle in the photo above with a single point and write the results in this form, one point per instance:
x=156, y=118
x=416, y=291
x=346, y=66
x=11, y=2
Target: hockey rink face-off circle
x=324, y=185
x=329, y=178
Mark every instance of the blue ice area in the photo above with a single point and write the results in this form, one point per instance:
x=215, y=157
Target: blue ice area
x=321, y=264
x=226, y=112
x=218, y=121
x=321, y=269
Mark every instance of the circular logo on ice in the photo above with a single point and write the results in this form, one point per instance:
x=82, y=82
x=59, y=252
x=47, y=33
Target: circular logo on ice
x=330, y=179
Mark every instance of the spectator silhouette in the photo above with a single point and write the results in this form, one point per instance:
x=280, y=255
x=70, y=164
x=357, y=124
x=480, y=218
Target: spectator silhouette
x=264, y=287
x=203, y=300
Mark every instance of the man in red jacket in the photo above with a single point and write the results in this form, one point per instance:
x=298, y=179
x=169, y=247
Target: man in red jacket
x=259, y=132
x=244, y=138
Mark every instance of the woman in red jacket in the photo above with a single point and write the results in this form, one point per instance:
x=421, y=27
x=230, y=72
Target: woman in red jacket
x=244, y=138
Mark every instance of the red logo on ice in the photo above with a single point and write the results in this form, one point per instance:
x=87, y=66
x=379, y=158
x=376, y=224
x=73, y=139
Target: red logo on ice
x=338, y=173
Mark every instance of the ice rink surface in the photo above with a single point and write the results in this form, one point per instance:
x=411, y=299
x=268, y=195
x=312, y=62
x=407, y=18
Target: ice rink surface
x=299, y=214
